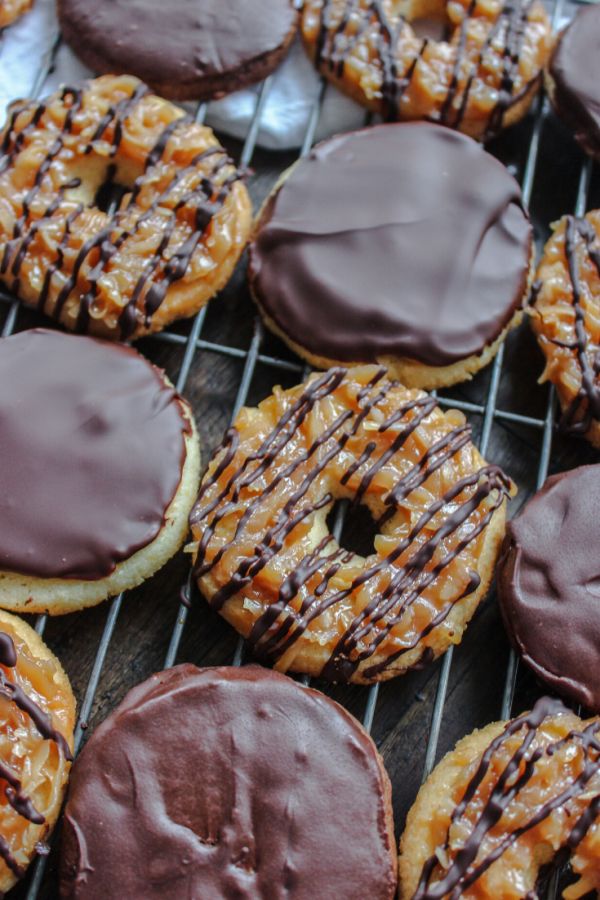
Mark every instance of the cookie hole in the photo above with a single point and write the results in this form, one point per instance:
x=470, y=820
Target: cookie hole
x=109, y=196
x=428, y=19
x=358, y=528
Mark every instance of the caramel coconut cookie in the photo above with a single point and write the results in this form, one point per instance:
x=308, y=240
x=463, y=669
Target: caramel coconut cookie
x=405, y=244
x=566, y=320
x=479, y=78
x=37, y=715
x=169, y=247
x=504, y=804
x=185, y=51
x=12, y=9
x=266, y=560
x=573, y=78
x=100, y=465
x=548, y=584
x=228, y=783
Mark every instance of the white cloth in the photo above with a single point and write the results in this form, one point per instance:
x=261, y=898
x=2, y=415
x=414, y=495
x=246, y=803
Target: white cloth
x=293, y=89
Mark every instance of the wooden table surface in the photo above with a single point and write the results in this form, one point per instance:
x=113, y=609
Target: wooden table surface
x=404, y=708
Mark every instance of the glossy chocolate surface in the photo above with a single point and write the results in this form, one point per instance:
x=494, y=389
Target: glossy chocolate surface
x=227, y=783
x=400, y=240
x=575, y=71
x=177, y=41
x=92, y=451
x=549, y=584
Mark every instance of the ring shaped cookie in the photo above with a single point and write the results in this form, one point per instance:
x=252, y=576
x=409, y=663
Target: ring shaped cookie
x=266, y=559
x=482, y=77
x=171, y=244
x=37, y=714
x=566, y=320
x=505, y=803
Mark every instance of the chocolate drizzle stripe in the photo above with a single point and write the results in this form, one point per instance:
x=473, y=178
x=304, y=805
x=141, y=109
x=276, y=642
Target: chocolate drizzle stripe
x=285, y=621
x=40, y=719
x=5, y=852
x=587, y=401
x=208, y=198
x=463, y=870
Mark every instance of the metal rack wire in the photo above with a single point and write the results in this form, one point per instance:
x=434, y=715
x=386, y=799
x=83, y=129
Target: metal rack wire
x=193, y=344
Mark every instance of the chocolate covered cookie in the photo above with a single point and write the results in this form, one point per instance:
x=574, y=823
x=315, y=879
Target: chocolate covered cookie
x=184, y=50
x=405, y=244
x=228, y=783
x=100, y=463
x=549, y=584
x=573, y=78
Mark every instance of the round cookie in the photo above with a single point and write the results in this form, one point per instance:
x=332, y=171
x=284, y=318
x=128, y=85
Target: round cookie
x=227, y=783
x=549, y=584
x=12, y=9
x=37, y=715
x=566, y=320
x=402, y=244
x=573, y=78
x=170, y=244
x=184, y=50
x=467, y=64
x=502, y=806
x=100, y=466
x=264, y=554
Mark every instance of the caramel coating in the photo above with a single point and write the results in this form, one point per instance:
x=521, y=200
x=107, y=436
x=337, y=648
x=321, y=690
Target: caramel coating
x=500, y=807
x=566, y=320
x=482, y=78
x=39, y=764
x=171, y=244
x=12, y=9
x=264, y=554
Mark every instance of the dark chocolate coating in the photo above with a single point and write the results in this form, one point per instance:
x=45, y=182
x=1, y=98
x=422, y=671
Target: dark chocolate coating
x=227, y=783
x=92, y=452
x=183, y=48
x=575, y=73
x=549, y=584
x=402, y=240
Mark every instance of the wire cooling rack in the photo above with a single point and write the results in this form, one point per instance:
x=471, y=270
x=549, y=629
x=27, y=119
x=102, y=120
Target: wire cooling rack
x=495, y=403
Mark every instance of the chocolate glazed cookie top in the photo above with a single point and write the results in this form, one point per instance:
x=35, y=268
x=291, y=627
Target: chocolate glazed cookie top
x=575, y=70
x=404, y=240
x=227, y=783
x=549, y=584
x=92, y=446
x=178, y=40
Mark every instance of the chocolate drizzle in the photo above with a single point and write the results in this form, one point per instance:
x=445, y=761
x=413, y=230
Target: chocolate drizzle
x=166, y=266
x=286, y=620
x=464, y=868
x=42, y=721
x=334, y=43
x=585, y=407
x=93, y=446
x=358, y=257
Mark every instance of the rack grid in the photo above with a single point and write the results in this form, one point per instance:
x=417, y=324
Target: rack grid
x=487, y=413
